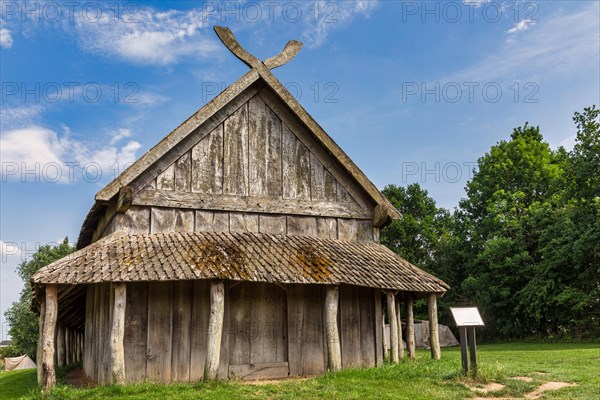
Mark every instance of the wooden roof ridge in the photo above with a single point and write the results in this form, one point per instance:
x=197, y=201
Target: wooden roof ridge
x=260, y=70
x=238, y=256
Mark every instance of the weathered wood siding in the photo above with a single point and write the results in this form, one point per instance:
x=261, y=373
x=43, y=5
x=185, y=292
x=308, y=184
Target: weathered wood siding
x=269, y=331
x=258, y=170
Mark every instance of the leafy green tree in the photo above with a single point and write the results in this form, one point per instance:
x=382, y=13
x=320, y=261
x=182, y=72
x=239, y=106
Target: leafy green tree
x=24, y=323
x=414, y=236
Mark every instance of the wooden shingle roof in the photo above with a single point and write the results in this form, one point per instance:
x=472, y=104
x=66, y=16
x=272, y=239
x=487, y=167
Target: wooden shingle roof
x=121, y=257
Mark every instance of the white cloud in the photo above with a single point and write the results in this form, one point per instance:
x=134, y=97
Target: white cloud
x=332, y=15
x=154, y=38
x=522, y=25
x=8, y=249
x=476, y=3
x=39, y=149
x=569, y=142
x=119, y=134
x=555, y=46
x=6, y=39
x=15, y=117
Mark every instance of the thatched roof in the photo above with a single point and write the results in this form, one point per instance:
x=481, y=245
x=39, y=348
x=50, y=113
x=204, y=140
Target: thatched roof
x=238, y=256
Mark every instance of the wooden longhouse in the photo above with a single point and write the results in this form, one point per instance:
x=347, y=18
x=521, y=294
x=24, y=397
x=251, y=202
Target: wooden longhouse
x=244, y=244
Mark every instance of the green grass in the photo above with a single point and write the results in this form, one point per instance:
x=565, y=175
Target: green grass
x=414, y=380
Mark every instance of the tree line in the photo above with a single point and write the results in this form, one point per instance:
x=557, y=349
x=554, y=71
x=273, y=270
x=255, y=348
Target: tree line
x=524, y=244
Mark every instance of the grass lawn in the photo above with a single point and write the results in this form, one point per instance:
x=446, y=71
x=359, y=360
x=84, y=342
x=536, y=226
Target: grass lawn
x=421, y=379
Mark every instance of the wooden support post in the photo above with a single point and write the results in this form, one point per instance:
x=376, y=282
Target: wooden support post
x=117, y=333
x=472, y=348
x=40, y=343
x=399, y=317
x=391, y=307
x=434, y=333
x=215, y=329
x=49, y=372
x=334, y=352
x=80, y=347
x=410, y=327
x=68, y=360
x=463, y=349
x=60, y=345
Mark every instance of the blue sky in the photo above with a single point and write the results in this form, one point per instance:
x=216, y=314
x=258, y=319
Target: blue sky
x=412, y=91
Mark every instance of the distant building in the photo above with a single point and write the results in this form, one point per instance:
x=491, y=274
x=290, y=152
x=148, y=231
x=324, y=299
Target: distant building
x=6, y=343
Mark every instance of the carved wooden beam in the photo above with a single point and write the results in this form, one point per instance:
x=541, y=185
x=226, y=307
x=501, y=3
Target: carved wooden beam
x=227, y=37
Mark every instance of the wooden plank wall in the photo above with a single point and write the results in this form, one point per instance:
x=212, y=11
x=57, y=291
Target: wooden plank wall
x=139, y=220
x=167, y=323
x=260, y=152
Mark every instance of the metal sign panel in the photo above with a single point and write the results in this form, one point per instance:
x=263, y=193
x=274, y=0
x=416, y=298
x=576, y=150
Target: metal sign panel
x=466, y=316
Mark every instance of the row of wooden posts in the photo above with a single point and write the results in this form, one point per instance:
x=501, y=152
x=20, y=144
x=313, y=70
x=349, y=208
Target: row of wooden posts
x=62, y=346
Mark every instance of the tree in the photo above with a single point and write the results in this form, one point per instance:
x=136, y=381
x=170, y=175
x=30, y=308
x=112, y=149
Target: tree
x=414, y=236
x=23, y=322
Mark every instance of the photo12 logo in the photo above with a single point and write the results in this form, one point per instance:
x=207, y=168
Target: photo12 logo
x=468, y=11
x=318, y=92
x=71, y=92
x=454, y=92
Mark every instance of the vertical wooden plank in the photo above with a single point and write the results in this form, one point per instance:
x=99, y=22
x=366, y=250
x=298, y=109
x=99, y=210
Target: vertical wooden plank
x=95, y=343
x=301, y=225
x=295, y=322
x=101, y=310
x=471, y=337
x=215, y=329
x=327, y=228
x=182, y=178
x=272, y=224
x=171, y=220
x=182, y=319
x=240, y=297
x=342, y=194
x=235, y=160
x=376, y=234
x=199, y=328
x=273, y=152
x=136, y=220
x=158, y=366
x=347, y=229
x=434, y=334
x=223, y=370
x=49, y=371
x=166, y=180
x=211, y=221
x=296, y=167
x=136, y=332
x=350, y=326
x=364, y=231
x=257, y=148
x=323, y=185
x=207, y=163
x=393, y=318
x=463, y=349
x=280, y=321
x=378, y=323
x=40, y=344
x=60, y=344
x=117, y=345
x=108, y=314
x=367, y=327
x=399, y=317
x=243, y=222
x=410, y=326
x=332, y=336
x=313, y=340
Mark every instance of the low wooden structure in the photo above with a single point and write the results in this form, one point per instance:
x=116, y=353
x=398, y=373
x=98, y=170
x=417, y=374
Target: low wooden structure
x=244, y=244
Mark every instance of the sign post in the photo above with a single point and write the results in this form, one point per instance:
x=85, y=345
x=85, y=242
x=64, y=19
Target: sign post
x=467, y=318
